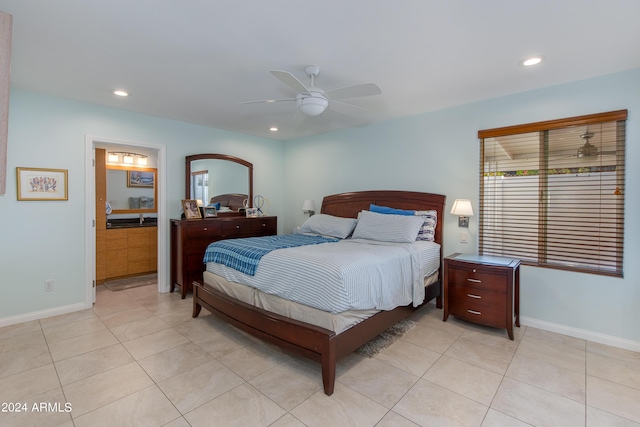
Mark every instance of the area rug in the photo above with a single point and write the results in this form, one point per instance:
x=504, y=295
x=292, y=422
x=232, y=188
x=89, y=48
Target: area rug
x=386, y=338
x=132, y=282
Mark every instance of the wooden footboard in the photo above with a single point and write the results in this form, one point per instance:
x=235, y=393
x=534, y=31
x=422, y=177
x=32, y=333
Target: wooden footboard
x=313, y=342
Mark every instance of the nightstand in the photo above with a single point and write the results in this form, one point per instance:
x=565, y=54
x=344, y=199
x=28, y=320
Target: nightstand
x=483, y=290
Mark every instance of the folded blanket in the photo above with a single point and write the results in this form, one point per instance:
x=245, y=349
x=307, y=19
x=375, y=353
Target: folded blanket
x=245, y=254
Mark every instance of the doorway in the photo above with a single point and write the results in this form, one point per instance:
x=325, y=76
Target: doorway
x=159, y=152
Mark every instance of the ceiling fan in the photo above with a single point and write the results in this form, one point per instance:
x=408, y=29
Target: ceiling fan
x=312, y=100
x=588, y=150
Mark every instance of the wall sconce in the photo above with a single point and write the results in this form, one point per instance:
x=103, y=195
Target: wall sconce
x=462, y=208
x=127, y=158
x=309, y=207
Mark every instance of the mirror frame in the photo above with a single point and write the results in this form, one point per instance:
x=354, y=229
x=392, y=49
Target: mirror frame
x=189, y=159
x=155, y=189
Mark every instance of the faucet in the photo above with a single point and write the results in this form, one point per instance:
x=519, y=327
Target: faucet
x=141, y=219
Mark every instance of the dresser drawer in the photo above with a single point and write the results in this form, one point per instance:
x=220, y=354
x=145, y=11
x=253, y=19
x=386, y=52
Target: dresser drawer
x=199, y=245
x=477, y=278
x=233, y=229
x=203, y=229
x=263, y=227
x=477, y=296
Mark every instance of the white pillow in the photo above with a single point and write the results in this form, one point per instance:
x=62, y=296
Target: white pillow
x=388, y=227
x=428, y=229
x=329, y=225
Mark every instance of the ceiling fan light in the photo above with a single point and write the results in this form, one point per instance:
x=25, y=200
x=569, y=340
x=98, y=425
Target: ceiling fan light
x=587, y=150
x=312, y=105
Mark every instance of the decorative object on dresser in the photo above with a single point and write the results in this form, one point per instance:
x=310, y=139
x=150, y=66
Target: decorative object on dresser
x=323, y=335
x=191, y=209
x=189, y=240
x=483, y=290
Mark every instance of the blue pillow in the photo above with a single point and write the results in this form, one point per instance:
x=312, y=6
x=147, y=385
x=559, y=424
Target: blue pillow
x=216, y=205
x=388, y=210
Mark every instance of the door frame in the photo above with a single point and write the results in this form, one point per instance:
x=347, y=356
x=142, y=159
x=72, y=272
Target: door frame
x=90, y=212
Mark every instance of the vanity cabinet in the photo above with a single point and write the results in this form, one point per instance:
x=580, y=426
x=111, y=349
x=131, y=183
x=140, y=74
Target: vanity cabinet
x=130, y=252
x=190, y=238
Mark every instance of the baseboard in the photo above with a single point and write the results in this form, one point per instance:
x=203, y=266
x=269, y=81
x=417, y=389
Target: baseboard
x=581, y=333
x=36, y=315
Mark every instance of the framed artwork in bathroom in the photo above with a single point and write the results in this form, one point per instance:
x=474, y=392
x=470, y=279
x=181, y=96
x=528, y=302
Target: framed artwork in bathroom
x=140, y=179
x=42, y=184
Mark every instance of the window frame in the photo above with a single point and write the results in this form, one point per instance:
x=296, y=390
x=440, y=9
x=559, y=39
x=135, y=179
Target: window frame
x=540, y=260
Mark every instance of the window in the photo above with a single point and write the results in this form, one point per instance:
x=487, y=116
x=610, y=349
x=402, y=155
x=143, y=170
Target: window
x=552, y=193
x=200, y=185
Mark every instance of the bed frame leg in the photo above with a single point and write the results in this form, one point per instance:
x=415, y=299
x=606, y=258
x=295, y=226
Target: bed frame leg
x=329, y=370
x=196, y=307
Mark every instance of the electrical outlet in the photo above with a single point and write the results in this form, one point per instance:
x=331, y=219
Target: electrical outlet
x=48, y=285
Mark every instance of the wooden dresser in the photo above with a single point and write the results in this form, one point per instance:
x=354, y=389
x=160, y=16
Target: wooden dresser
x=482, y=289
x=190, y=238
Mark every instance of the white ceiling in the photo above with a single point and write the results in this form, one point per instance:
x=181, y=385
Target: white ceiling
x=196, y=60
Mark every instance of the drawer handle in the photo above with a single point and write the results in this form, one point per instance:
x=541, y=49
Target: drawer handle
x=264, y=225
x=475, y=280
x=205, y=229
x=474, y=296
x=474, y=312
x=237, y=226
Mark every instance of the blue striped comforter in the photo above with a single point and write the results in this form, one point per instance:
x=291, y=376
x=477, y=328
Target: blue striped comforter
x=244, y=255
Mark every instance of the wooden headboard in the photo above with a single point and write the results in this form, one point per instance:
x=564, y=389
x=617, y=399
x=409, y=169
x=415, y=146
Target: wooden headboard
x=349, y=204
x=233, y=201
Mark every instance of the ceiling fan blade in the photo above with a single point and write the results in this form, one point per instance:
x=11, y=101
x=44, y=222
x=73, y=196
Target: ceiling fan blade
x=267, y=100
x=344, y=107
x=355, y=91
x=291, y=81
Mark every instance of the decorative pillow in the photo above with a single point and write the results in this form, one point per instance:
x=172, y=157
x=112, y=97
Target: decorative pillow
x=387, y=227
x=428, y=229
x=329, y=225
x=389, y=211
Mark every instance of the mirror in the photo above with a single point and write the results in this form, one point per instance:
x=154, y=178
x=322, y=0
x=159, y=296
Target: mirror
x=132, y=190
x=209, y=175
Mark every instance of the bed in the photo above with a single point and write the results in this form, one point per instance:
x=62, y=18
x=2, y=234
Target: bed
x=324, y=344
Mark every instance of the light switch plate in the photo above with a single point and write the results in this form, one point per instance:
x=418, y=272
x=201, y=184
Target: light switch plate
x=464, y=237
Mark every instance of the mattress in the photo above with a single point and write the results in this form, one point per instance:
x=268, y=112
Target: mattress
x=336, y=322
x=352, y=274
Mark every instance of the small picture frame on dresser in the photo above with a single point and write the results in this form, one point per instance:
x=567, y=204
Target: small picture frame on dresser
x=191, y=209
x=210, y=212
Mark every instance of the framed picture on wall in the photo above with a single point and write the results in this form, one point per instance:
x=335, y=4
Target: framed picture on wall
x=191, y=209
x=210, y=212
x=42, y=184
x=141, y=179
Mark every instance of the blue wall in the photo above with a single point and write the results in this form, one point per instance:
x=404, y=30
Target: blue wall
x=46, y=240
x=433, y=152
x=438, y=152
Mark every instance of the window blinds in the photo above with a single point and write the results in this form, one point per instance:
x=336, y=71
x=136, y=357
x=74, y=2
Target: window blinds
x=552, y=193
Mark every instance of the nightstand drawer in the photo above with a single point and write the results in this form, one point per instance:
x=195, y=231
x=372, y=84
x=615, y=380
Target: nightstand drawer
x=477, y=296
x=477, y=278
x=469, y=309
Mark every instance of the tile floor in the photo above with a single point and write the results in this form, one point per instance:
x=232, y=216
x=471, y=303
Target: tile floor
x=132, y=361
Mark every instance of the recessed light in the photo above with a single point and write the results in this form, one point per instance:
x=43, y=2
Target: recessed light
x=534, y=60
x=273, y=129
x=120, y=93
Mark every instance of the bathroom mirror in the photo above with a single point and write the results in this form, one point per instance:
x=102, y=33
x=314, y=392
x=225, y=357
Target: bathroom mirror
x=210, y=175
x=132, y=190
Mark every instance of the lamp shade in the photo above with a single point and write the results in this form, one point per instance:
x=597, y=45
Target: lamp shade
x=462, y=207
x=309, y=205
